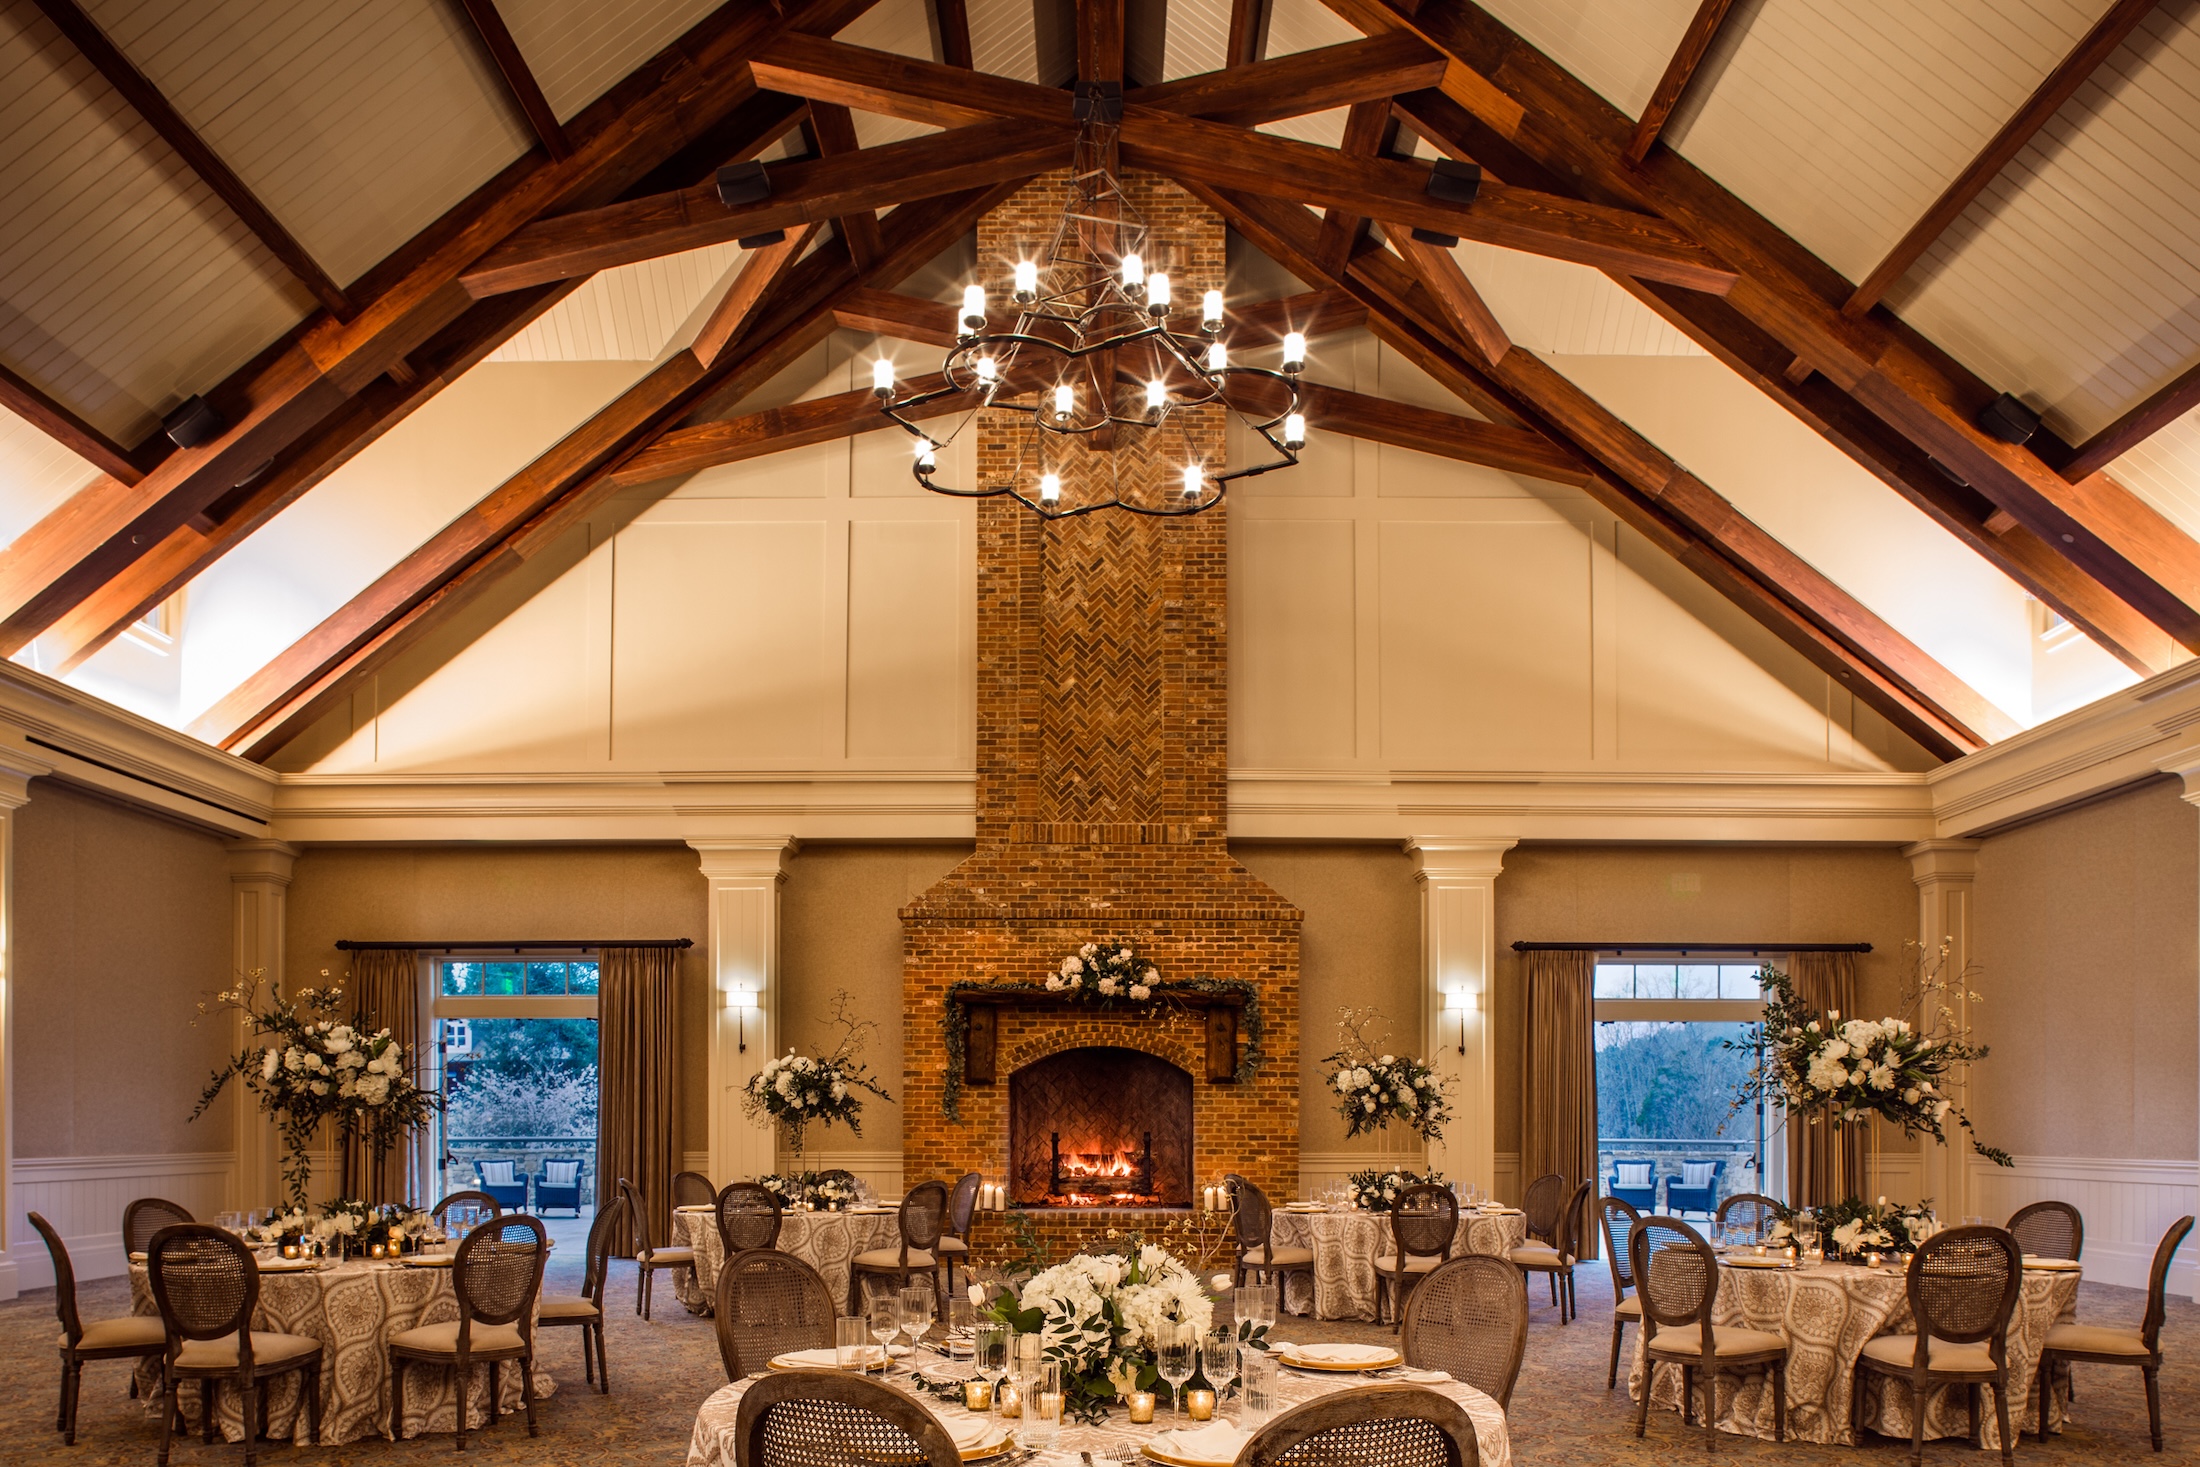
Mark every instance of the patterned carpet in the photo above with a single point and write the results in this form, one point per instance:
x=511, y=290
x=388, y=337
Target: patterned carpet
x=1561, y=1415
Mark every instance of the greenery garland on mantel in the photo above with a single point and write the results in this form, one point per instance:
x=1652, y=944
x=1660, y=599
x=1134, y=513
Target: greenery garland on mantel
x=1246, y=992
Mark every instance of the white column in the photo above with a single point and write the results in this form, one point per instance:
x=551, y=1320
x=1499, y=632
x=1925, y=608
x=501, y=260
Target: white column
x=259, y=888
x=2185, y=764
x=18, y=767
x=1946, y=873
x=744, y=877
x=1458, y=881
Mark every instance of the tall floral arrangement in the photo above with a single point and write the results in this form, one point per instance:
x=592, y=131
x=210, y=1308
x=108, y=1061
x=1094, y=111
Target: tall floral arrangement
x=1374, y=1089
x=798, y=1090
x=308, y=1065
x=1102, y=1316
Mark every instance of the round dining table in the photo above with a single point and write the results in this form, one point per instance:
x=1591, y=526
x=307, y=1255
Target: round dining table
x=352, y=1309
x=826, y=1241
x=713, y=1443
x=1828, y=1312
x=1345, y=1244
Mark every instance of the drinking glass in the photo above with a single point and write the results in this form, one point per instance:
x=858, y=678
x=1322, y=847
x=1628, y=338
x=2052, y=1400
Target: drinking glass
x=1042, y=1405
x=1260, y=1305
x=849, y=1349
x=885, y=1324
x=962, y=1318
x=1259, y=1401
x=1175, y=1362
x=989, y=1351
x=916, y=1315
x=1218, y=1360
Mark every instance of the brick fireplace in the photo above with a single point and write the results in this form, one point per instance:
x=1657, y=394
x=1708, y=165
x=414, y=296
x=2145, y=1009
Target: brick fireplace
x=1101, y=815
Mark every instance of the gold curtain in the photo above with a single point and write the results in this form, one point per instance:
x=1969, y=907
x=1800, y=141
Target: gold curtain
x=635, y=1051
x=1825, y=1167
x=385, y=994
x=1559, y=1128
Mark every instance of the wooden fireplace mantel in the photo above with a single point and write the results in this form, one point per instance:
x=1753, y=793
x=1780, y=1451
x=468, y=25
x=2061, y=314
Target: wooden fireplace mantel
x=981, y=1019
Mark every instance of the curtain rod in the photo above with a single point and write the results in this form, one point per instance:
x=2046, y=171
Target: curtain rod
x=1684, y=948
x=350, y=945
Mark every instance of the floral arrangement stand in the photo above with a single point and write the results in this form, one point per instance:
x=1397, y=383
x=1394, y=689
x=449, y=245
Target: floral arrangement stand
x=318, y=1067
x=1374, y=1089
x=796, y=1091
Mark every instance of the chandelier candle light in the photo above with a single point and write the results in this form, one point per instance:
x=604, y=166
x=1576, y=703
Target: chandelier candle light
x=1094, y=308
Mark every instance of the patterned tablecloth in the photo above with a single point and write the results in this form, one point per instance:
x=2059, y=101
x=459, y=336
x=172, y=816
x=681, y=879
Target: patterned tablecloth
x=712, y=1445
x=353, y=1309
x=1345, y=1245
x=1827, y=1314
x=826, y=1241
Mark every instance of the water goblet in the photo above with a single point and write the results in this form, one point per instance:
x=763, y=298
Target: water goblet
x=1218, y=1360
x=989, y=1351
x=916, y=1316
x=1261, y=1306
x=1175, y=1360
x=885, y=1316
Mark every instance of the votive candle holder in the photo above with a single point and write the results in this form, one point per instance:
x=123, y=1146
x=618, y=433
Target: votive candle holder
x=1141, y=1404
x=1199, y=1405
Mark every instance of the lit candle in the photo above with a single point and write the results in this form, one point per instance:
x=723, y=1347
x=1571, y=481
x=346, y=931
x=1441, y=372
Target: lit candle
x=1050, y=487
x=1210, y=310
x=1294, y=350
x=1141, y=1408
x=978, y=1393
x=1065, y=399
x=1157, y=294
x=1157, y=393
x=1872, y=1259
x=1134, y=271
x=1200, y=1405
x=290, y=1250
x=1009, y=1399
x=379, y=1251
x=1027, y=280
x=926, y=459
x=988, y=370
x=973, y=314
x=1218, y=357
x=1194, y=480
x=1294, y=430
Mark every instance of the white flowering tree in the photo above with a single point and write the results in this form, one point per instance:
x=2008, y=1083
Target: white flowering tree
x=309, y=1066
x=796, y=1090
x=1374, y=1089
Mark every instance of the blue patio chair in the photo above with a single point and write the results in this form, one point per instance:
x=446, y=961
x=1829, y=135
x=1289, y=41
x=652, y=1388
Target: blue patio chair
x=500, y=1177
x=558, y=1184
x=1696, y=1189
x=1635, y=1182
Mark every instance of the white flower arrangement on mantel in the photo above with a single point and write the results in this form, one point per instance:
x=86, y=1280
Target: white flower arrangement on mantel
x=1105, y=971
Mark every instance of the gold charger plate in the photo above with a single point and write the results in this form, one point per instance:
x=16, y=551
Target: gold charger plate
x=1751, y=1260
x=1154, y=1453
x=1298, y=1362
x=989, y=1450
x=775, y=1362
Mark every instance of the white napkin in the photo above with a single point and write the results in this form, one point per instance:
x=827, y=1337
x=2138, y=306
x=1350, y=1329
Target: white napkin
x=1335, y=1354
x=970, y=1429
x=1217, y=1441
x=829, y=1359
x=1428, y=1377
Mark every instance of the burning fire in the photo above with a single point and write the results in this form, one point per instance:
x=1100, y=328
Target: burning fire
x=1099, y=1165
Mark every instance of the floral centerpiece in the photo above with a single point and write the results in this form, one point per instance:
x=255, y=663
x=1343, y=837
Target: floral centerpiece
x=825, y=1191
x=315, y=1066
x=1104, y=971
x=1101, y=1317
x=1377, y=1191
x=799, y=1090
x=1854, y=1227
x=346, y=1225
x=1375, y=1089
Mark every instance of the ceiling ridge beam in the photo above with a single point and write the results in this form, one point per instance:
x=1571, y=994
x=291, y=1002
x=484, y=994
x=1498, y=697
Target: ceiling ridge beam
x=1247, y=40
x=951, y=19
x=519, y=79
x=1665, y=98
x=168, y=125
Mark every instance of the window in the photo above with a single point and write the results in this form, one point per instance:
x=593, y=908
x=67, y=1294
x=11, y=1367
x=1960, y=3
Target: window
x=158, y=628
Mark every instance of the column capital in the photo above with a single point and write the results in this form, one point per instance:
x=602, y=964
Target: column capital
x=2185, y=764
x=750, y=858
x=19, y=765
x=1943, y=860
x=261, y=859
x=1442, y=858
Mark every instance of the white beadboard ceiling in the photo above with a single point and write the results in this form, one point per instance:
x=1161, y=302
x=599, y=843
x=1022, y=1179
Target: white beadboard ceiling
x=627, y=314
x=36, y=475
x=579, y=49
x=2165, y=472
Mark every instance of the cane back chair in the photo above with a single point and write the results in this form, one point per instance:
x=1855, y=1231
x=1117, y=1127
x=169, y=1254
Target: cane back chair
x=128, y=1337
x=826, y=1418
x=768, y=1304
x=647, y=1256
x=1258, y=1256
x=585, y=1309
x=1390, y=1425
x=2048, y=1230
x=1424, y=1225
x=923, y=1215
x=1470, y=1317
x=749, y=1216
x=1677, y=1280
x=496, y=1277
x=1963, y=1286
x=2094, y=1344
x=207, y=1288
x=1557, y=1261
x=1619, y=1220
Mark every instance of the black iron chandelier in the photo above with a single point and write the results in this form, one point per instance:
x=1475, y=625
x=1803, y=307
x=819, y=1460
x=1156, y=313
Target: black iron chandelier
x=1093, y=331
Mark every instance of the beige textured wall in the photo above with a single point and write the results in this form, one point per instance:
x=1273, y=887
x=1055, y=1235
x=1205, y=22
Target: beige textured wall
x=840, y=929
x=1695, y=893
x=2086, y=955
x=122, y=926
x=460, y=893
x=1361, y=945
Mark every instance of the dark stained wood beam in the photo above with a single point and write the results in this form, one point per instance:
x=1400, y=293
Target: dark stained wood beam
x=2046, y=100
x=803, y=191
x=1703, y=29
x=519, y=80
x=1315, y=312
x=701, y=446
x=146, y=100
x=673, y=119
x=1100, y=40
x=1395, y=191
x=2135, y=427
x=1248, y=39
x=1369, y=132
x=1469, y=316
x=57, y=422
x=1445, y=435
x=1570, y=138
x=892, y=85
x=833, y=128
x=1375, y=69
x=760, y=273
x=951, y=22
x=528, y=513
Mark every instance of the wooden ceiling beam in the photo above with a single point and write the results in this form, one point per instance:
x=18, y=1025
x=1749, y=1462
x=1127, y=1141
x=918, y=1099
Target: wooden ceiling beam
x=2148, y=418
x=1470, y=317
x=892, y=85
x=1100, y=40
x=147, y=101
x=59, y=423
x=1570, y=133
x=529, y=512
x=1247, y=41
x=2058, y=87
x=1444, y=435
x=1370, y=130
x=951, y=23
x=763, y=270
x=833, y=128
x=702, y=446
x=803, y=191
x=1327, y=77
x=519, y=80
x=1703, y=29
x=693, y=95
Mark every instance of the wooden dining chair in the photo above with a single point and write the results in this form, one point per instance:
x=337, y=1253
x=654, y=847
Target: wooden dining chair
x=1424, y=1226
x=147, y=1216
x=1677, y=1280
x=1540, y=1205
x=749, y=1216
x=1470, y=1317
x=496, y=1278
x=768, y=1304
x=207, y=1288
x=1382, y=1426
x=2093, y=1344
x=809, y=1418
x=916, y=1255
x=647, y=1256
x=962, y=1207
x=1259, y=1258
x=126, y=1337
x=1557, y=1260
x=2048, y=1230
x=1963, y=1286
x=584, y=1311
x=1619, y=1220
x=1752, y=1210
x=692, y=1189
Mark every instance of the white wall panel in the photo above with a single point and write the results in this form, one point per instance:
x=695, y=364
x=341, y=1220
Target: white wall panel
x=2128, y=1203
x=36, y=475
x=1293, y=668
x=83, y=1197
x=909, y=694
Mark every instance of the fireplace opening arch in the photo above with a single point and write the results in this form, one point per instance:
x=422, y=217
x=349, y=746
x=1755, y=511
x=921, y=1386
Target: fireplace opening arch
x=1100, y=1126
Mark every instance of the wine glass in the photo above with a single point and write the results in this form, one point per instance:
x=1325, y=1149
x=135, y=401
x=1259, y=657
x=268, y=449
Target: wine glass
x=1218, y=1359
x=1260, y=1305
x=1175, y=1362
x=885, y=1316
x=916, y=1315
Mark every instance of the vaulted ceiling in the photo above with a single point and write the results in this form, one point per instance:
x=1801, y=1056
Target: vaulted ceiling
x=1901, y=226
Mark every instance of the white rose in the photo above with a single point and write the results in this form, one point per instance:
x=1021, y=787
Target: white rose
x=1149, y=976
x=1222, y=1281
x=1088, y=950
x=270, y=1065
x=1072, y=965
x=1140, y=991
x=1054, y=983
x=1344, y=1081
x=1360, y=1077
x=1388, y=1060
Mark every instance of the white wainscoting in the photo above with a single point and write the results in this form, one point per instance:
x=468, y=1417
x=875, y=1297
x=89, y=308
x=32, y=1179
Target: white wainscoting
x=2127, y=1203
x=1318, y=1169
x=882, y=1169
x=83, y=1197
x=1898, y=1176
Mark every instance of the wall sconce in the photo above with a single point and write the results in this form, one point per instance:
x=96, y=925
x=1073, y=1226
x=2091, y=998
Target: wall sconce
x=1462, y=1001
x=743, y=1001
